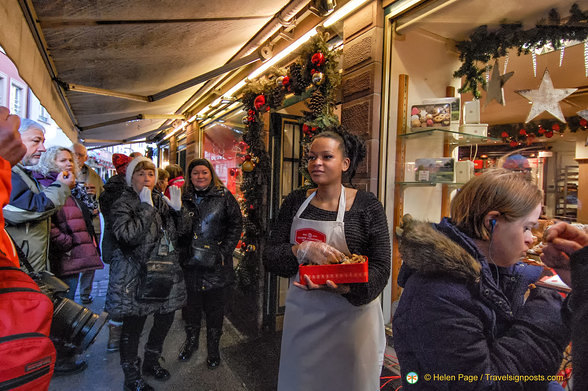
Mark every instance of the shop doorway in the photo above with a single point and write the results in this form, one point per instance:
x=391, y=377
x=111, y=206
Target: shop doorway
x=286, y=134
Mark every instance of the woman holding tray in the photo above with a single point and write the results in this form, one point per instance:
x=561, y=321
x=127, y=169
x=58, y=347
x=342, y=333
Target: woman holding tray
x=333, y=336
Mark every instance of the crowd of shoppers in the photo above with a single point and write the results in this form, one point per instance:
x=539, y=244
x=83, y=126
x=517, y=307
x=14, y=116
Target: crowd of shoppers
x=466, y=308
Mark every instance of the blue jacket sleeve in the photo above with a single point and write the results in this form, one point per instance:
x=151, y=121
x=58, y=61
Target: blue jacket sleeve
x=445, y=335
x=26, y=205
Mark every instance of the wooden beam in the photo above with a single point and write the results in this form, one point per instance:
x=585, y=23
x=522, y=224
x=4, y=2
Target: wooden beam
x=399, y=175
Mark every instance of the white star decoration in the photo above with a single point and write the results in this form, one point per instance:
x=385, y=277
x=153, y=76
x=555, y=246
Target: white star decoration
x=546, y=98
x=494, y=88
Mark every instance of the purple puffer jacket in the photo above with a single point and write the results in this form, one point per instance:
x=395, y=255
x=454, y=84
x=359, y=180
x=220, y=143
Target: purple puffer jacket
x=72, y=248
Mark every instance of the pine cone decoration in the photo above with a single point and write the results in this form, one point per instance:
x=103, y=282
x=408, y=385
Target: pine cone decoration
x=276, y=97
x=317, y=103
x=297, y=81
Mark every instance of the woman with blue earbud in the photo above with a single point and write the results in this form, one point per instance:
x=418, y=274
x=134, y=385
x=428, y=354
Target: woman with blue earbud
x=467, y=313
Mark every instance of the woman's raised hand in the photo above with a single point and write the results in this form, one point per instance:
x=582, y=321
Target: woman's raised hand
x=145, y=195
x=175, y=198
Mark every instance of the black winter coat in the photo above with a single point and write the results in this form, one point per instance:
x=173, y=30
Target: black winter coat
x=138, y=228
x=217, y=218
x=113, y=189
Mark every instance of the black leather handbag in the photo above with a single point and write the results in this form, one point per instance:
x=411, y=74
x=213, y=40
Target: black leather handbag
x=157, y=275
x=156, y=280
x=204, y=254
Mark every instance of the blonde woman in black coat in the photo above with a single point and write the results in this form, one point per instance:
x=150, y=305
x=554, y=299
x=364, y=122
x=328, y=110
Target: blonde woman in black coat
x=208, y=265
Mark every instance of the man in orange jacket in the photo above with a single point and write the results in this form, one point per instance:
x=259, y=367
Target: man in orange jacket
x=11, y=151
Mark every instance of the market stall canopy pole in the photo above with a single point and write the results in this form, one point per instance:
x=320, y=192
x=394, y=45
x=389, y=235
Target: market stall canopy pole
x=133, y=118
x=264, y=54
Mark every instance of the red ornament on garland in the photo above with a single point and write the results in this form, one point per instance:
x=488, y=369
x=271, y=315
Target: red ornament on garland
x=285, y=81
x=251, y=112
x=541, y=131
x=583, y=122
x=259, y=101
x=549, y=134
x=504, y=135
x=555, y=127
x=514, y=143
x=523, y=132
x=312, y=71
x=318, y=59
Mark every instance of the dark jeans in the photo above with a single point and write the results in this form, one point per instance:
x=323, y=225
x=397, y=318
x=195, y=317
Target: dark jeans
x=72, y=281
x=131, y=334
x=212, y=302
x=86, y=281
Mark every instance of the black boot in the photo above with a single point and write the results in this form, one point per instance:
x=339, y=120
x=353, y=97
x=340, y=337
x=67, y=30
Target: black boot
x=114, y=331
x=212, y=341
x=133, y=379
x=191, y=343
x=152, y=366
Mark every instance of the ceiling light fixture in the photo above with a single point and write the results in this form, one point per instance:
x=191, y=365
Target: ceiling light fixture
x=280, y=56
x=182, y=126
x=399, y=7
x=343, y=11
x=334, y=18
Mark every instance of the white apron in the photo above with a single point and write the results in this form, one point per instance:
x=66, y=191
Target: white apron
x=328, y=343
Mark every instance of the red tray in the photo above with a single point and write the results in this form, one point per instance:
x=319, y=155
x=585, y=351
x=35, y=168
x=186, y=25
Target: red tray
x=339, y=274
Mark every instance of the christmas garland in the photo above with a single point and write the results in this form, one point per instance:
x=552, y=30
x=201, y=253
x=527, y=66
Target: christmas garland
x=315, y=73
x=483, y=45
x=528, y=133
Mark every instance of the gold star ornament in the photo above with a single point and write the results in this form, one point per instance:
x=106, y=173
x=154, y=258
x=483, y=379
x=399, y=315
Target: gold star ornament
x=494, y=88
x=546, y=98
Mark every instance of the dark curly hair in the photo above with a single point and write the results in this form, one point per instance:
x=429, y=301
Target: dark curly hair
x=352, y=146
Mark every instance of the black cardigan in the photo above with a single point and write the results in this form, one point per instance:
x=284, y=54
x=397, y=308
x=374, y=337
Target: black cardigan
x=366, y=233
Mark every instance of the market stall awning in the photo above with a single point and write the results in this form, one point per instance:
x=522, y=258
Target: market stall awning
x=65, y=49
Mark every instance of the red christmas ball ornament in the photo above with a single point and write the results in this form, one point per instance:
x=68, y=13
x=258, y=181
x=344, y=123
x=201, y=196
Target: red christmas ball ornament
x=540, y=130
x=555, y=127
x=318, y=59
x=251, y=119
x=523, y=132
x=259, y=101
x=305, y=128
x=504, y=135
x=251, y=112
x=314, y=129
x=583, y=123
x=549, y=134
x=285, y=81
x=514, y=143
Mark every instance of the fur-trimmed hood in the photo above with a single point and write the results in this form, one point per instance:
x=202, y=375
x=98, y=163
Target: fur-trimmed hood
x=438, y=249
